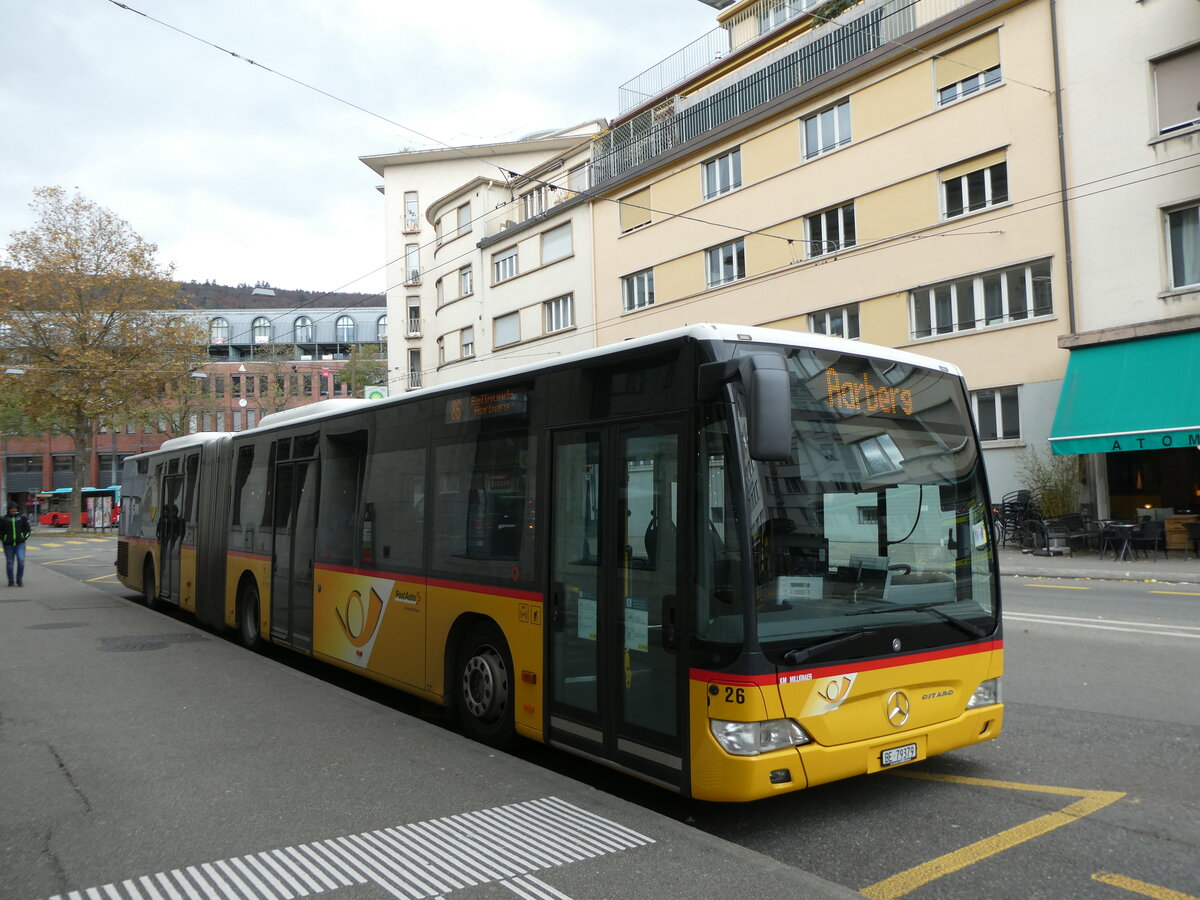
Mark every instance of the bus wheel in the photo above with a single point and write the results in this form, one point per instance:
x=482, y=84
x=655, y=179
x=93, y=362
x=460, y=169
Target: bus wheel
x=149, y=594
x=485, y=690
x=247, y=614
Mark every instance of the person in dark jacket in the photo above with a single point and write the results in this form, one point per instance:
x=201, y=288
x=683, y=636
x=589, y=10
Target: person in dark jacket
x=14, y=530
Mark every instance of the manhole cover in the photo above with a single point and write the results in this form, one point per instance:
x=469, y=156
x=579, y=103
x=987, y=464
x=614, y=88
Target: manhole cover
x=148, y=641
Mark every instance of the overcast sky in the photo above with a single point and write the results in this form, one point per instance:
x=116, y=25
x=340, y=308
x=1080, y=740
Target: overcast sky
x=240, y=175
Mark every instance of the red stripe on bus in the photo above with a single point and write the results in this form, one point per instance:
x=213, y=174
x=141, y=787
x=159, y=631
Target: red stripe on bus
x=891, y=662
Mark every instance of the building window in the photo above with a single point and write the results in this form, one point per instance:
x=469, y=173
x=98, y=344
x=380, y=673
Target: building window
x=261, y=330
x=723, y=174
x=507, y=329
x=997, y=414
x=533, y=203
x=381, y=329
x=1183, y=232
x=467, y=341
x=726, y=263
x=414, y=368
x=414, y=316
x=557, y=244
x=975, y=190
x=637, y=290
x=465, y=284
x=303, y=330
x=827, y=130
x=412, y=220
x=412, y=263
x=1175, y=87
x=968, y=69
x=439, y=290
x=831, y=230
x=345, y=330
x=218, y=331
x=839, y=322
x=504, y=265
x=464, y=219
x=776, y=12
x=982, y=301
x=559, y=313
x=577, y=178
x=972, y=84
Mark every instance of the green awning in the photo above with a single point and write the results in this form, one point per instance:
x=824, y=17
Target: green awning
x=1142, y=394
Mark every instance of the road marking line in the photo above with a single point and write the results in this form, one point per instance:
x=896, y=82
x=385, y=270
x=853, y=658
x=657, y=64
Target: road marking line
x=908, y=881
x=1180, y=631
x=1179, y=593
x=55, y=562
x=1058, y=587
x=1140, y=887
x=110, y=575
x=500, y=840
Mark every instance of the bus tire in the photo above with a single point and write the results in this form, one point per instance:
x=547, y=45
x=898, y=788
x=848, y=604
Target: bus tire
x=149, y=593
x=484, y=686
x=248, y=615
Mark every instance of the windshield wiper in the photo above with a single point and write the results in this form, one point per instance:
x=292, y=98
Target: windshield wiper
x=800, y=654
x=961, y=624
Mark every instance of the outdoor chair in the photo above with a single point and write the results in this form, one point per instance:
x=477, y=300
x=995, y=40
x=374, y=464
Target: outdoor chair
x=1151, y=535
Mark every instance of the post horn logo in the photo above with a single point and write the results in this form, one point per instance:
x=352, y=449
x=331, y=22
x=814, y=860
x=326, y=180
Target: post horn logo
x=898, y=708
x=358, y=623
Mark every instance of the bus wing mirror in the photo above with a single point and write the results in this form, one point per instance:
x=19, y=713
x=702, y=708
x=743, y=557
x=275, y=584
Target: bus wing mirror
x=765, y=378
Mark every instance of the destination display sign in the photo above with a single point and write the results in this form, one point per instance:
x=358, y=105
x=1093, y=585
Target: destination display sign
x=855, y=392
x=486, y=405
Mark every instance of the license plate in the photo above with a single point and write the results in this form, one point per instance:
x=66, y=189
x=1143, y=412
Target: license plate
x=897, y=755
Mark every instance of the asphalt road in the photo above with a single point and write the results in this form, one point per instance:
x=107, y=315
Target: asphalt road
x=1090, y=792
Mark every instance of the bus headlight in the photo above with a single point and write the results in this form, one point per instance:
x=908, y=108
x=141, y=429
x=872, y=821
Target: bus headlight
x=753, y=738
x=987, y=694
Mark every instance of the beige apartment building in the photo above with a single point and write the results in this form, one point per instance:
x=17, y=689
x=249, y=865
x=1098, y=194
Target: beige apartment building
x=892, y=175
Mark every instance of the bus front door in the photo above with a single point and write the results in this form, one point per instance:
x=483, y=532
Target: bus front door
x=615, y=668
x=169, y=532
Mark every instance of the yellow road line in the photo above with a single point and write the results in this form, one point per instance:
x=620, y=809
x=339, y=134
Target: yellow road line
x=1140, y=887
x=1179, y=593
x=102, y=577
x=55, y=562
x=1059, y=587
x=905, y=882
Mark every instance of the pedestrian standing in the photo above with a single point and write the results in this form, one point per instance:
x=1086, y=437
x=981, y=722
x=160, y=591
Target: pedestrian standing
x=14, y=530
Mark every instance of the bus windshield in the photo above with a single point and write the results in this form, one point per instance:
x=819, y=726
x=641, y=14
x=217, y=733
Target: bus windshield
x=875, y=524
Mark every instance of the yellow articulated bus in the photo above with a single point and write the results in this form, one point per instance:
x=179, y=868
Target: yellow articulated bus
x=731, y=561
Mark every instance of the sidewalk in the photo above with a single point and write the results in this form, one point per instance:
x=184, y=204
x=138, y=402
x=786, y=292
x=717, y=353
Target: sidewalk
x=1176, y=568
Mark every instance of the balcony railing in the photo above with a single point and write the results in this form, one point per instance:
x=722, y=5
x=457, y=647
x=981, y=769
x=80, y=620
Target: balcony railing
x=414, y=328
x=677, y=119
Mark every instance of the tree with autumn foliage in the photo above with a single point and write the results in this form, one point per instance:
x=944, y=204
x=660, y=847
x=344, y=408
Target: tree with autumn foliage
x=85, y=316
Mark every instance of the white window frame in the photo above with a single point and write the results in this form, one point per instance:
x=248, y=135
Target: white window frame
x=505, y=265
x=381, y=328
x=464, y=219
x=831, y=230
x=533, y=203
x=993, y=419
x=414, y=369
x=984, y=300
x=345, y=330
x=302, y=330
x=412, y=212
x=412, y=263
x=466, y=342
x=981, y=189
x=506, y=329
x=969, y=86
x=841, y=321
x=466, y=285
x=1183, y=247
x=1175, y=77
x=218, y=331
x=826, y=130
x=559, y=314
x=725, y=264
x=414, y=316
x=260, y=330
x=722, y=174
x=637, y=290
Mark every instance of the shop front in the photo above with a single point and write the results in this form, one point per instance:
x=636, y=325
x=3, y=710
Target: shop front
x=1133, y=408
